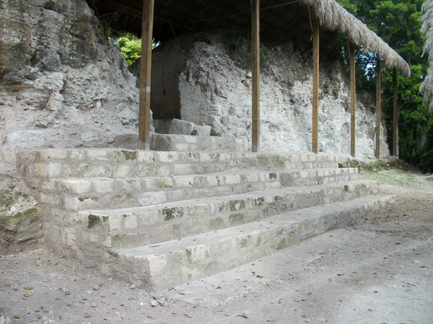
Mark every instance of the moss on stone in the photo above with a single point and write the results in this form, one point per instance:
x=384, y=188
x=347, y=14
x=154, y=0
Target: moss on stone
x=172, y=213
x=281, y=244
x=130, y=155
x=93, y=221
x=237, y=205
x=162, y=183
x=5, y=198
x=259, y=240
x=11, y=222
x=243, y=243
x=259, y=201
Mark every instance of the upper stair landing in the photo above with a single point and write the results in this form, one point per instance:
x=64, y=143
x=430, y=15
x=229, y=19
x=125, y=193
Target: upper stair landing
x=188, y=143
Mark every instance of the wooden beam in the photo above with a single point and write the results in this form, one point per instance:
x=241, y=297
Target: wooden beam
x=145, y=75
x=352, y=97
x=315, y=134
x=255, y=11
x=378, y=106
x=395, y=119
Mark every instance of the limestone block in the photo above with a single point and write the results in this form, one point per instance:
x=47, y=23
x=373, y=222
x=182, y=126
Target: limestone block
x=77, y=155
x=184, y=181
x=122, y=171
x=152, y=198
x=201, y=130
x=182, y=147
x=130, y=221
x=97, y=154
x=77, y=186
x=176, y=195
x=182, y=127
x=211, y=181
x=97, y=171
x=198, y=253
x=115, y=223
x=168, y=156
x=53, y=154
x=145, y=156
x=103, y=186
x=26, y=140
x=188, y=139
x=157, y=265
x=93, y=238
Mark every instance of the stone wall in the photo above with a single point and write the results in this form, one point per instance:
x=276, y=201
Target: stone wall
x=62, y=83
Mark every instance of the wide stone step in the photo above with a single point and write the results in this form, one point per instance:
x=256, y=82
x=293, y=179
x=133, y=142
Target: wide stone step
x=37, y=166
x=165, y=265
x=136, y=226
x=81, y=194
x=186, y=143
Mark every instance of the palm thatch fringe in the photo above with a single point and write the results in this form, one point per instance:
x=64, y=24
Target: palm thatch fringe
x=427, y=28
x=334, y=17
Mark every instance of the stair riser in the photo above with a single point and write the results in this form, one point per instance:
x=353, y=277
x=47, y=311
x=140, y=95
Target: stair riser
x=93, y=194
x=36, y=173
x=158, y=224
x=53, y=164
x=164, y=271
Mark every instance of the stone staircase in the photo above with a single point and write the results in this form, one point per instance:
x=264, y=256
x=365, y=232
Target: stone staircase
x=161, y=218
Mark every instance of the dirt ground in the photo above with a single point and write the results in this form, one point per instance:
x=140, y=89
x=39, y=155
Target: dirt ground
x=380, y=270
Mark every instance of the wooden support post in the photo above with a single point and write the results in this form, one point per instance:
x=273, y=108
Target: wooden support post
x=378, y=106
x=395, y=121
x=255, y=10
x=315, y=134
x=352, y=97
x=145, y=74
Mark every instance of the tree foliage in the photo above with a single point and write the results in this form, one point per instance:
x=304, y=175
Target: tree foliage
x=130, y=47
x=398, y=23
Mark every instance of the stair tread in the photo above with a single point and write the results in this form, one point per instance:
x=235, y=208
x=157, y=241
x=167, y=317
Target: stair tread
x=287, y=218
x=206, y=200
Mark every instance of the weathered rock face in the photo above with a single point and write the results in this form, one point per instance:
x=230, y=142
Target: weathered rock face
x=62, y=83
x=214, y=88
x=20, y=225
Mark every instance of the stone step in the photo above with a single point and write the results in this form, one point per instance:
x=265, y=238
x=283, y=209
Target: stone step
x=81, y=194
x=165, y=265
x=37, y=166
x=187, y=143
x=136, y=226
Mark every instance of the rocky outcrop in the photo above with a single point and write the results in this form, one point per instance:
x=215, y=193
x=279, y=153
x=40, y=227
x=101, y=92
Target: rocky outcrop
x=62, y=83
x=65, y=85
x=212, y=85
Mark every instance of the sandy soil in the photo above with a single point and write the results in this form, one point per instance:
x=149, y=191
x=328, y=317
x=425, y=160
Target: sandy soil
x=380, y=270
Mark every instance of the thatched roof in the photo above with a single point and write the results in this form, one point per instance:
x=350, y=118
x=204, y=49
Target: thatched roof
x=280, y=20
x=335, y=17
x=427, y=28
